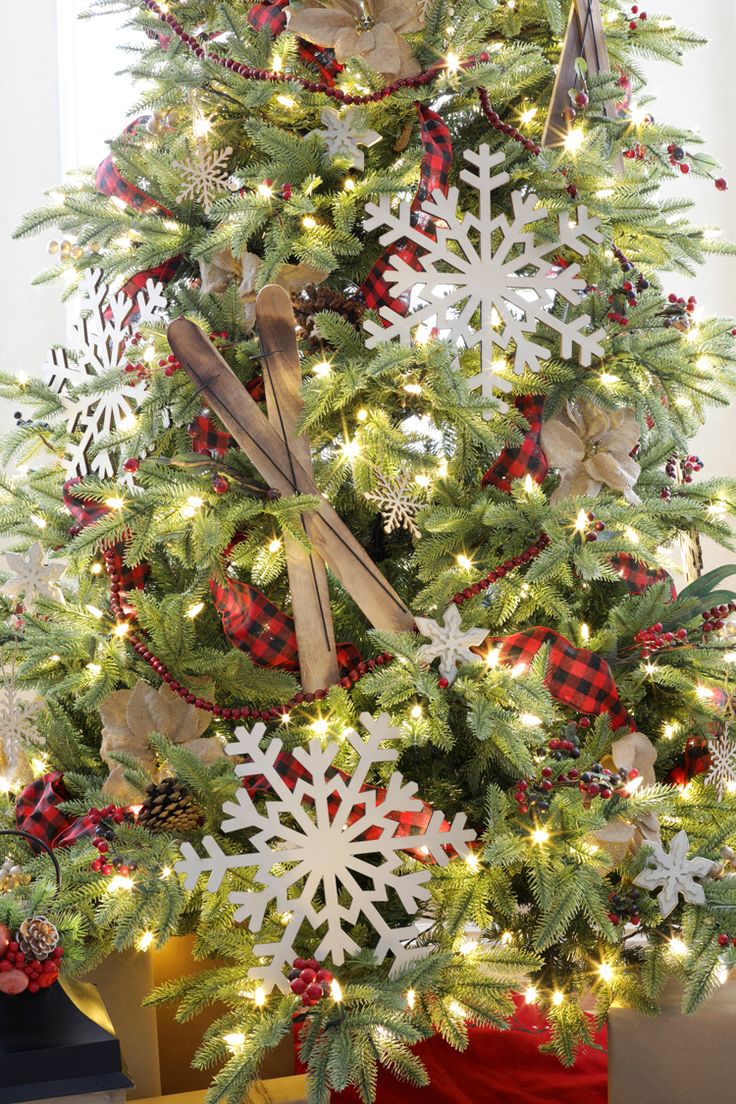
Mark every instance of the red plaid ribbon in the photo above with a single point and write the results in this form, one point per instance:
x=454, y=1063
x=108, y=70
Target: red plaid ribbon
x=694, y=760
x=37, y=812
x=638, y=576
x=526, y=458
x=208, y=438
x=434, y=173
x=291, y=771
x=86, y=511
x=109, y=181
x=163, y=272
x=271, y=16
x=575, y=676
x=255, y=625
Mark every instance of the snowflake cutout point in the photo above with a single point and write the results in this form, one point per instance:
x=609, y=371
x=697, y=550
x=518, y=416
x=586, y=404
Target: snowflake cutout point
x=674, y=874
x=486, y=265
x=325, y=863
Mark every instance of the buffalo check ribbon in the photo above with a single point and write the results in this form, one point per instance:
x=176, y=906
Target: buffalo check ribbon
x=575, y=676
x=38, y=812
x=637, y=575
x=271, y=15
x=528, y=458
x=86, y=511
x=434, y=174
x=408, y=823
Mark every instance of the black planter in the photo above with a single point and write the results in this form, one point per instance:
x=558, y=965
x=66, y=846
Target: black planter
x=58, y=1042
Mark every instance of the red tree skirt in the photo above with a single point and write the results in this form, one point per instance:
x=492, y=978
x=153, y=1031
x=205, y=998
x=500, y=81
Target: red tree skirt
x=499, y=1067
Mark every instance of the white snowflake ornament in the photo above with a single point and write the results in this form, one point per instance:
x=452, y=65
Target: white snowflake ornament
x=343, y=134
x=722, y=772
x=483, y=265
x=106, y=323
x=33, y=578
x=311, y=853
x=396, y=502
x=205, y=175
x=18, y=709
x=449, y=642
x=674, y=874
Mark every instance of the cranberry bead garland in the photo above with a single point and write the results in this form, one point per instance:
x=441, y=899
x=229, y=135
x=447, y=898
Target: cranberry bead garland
x=503, y=569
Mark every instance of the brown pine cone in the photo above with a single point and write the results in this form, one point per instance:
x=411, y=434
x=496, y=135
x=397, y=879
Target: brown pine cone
x=167, y=807
x=312, y=300
x=37, y=938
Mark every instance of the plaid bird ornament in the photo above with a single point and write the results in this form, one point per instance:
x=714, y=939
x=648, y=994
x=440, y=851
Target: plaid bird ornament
x=38, y=812
x=638, y=576
x=525, y=459
x=208, y=438
x=433, y=174
x=575, y=676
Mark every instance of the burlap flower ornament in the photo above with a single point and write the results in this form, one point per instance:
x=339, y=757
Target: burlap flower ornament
x=634, y=751
x=225, y=269
x=592, y=448
x=129, y=717
x=369, y=29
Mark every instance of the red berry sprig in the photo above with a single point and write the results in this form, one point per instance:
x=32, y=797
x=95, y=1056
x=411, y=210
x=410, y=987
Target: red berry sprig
x=624, y=907
x=104, y=821
x=714, y=619
x=636, y=17
x=309, y=980
x=724, y=940
x=654, y=639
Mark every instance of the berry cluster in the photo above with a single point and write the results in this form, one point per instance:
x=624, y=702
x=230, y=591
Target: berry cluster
x=568, y=746
x=677, y=157
x=534, y=796
x=654, y=640
x=20, y=972
x=724, y=940
x=309, y=980
x=503, y=569
x=687, y=466
x=636, y=153
x=592, y=529
x=597, y=781
x=636, y=17
x=601, y=782
x=170, y=364
x=714, y=618
x=625, y=298
x=103, y=821
x=624, y=907
x=678, y=310
x=287, y=191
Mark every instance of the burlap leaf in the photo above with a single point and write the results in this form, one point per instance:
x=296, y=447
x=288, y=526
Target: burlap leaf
x=634, y=751
x=380, y=43
x=591, y=448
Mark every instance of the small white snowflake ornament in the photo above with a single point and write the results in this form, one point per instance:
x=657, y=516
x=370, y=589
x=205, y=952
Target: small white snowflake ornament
x=397, y=503
x=722, y=772
x=449, y=642
x=674, y=874
x=484, y=265
x=107, y=321
x=32, y=577
x=311, y=852
x=205, y=175
x=343, y=134
x=18, y=709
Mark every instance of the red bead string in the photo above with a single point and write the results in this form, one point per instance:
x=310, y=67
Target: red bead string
x=505, y=128
x=277, y=712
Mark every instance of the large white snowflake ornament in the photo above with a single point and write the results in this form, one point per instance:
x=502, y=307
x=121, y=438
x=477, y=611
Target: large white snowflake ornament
x=674, y=874
x=343, y=134
x=397, y=501
x=722, y=772
x=205, y=174
x=107, y=320
x=311, y=854
x=32, y=577
x=486, y=280
x=449, y=642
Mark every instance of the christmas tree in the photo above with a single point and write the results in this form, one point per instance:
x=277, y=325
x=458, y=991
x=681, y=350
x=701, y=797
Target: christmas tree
x=464, y=459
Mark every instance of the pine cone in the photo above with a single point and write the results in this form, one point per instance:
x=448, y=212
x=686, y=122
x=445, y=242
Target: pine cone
x=315, y=299
x=168, y=808
x=37, y=938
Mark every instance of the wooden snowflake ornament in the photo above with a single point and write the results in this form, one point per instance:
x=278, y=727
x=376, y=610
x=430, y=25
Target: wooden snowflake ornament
x=327, y=852
x=449, y=642
x=32, y=576
x=674, y=874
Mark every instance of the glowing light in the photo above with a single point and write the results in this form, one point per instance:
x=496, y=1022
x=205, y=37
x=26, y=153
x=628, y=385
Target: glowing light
x=201, y=126
x=335, y=990
x=540, y=836
x=584, y=633
x=528, y=484
x=129, y=423
x=259, y=997
x=452, y=62
x=507, y=938
x=187, y=511
x=350, y=449
x=638, y=115
x=94, y=669
x=195, y=610
x=574, y=139
x=442, y=469
x=96, y=569
x=115, y=503
x=631, y=535
x=39, y=765
x=145, y=941
x=286, y=101
x=633, y=785
x=275, y=545
x=149, y=353
x=467, y=947
x=411, y=998
x=493, y=657
x=605, y=971
x=413, y=388
x=122, y=628
x=5, y=784
x=118, y=883
x=649, y=667
x=464, y=562
x=319, y=727
x=423, y=481
x=530, y=720
x=309, y=222
x=349, y=184
x=456, y=1009
x=362, y=414
x=669, y=731
x=718, y=509
x=608, y=379
x=55, y=659
x=94, y=612
x=518, y=670
x=678, y=947
x=286, y=718
x=416, y=712
x=731, y=785
x=581, y=521
x=322, y=368
x=38, y=521
x=528, y=115
x=265, y=190
x=704, y=692
x=702, y=363
x=472, y=861
x=531, y=996
x=277, y=64
x=166, y=872
x=605, y=193
x=22, y=378
x=234, y=1040
x=557, y=998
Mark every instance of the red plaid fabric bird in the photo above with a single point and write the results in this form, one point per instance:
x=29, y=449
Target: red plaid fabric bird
x=37, y=811
x=525, y=459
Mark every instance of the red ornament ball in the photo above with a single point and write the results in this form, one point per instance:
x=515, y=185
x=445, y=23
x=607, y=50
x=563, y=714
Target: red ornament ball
x=722, y=184
x=220, y=485
x=131, y=465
